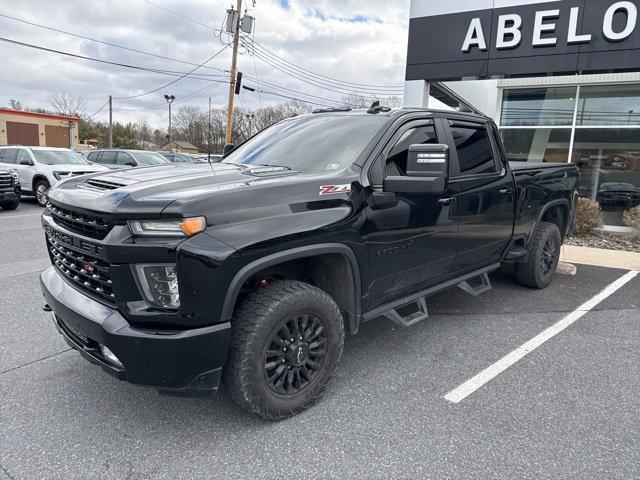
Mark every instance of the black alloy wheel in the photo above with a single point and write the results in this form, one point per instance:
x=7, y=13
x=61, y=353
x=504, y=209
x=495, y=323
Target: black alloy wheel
x=295, y=354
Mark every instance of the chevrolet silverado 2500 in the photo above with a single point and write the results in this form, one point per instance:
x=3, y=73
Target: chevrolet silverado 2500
x=250, y=272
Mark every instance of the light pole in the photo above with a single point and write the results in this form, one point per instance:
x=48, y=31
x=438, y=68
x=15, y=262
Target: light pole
x=170, y=99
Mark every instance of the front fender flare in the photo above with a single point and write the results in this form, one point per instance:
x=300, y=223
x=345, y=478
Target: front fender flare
x=301, y=252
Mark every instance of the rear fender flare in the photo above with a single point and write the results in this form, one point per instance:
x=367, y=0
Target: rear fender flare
x=560, y=202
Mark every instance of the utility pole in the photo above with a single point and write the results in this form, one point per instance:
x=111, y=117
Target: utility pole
x=209, y=134
x=234, y=63
x=110, y=122
x=170, y=99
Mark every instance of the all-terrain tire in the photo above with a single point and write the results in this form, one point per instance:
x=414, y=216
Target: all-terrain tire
x=10, y=205
x=543, y=257
x=255, y=323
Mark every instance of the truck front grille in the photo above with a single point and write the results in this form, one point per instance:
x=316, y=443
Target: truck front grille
x=6, y=182
x=94, y=226
x=84, y=269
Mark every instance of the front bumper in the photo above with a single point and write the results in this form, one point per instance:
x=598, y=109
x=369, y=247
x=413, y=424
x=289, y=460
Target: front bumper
x=184, y=362
x=9, y=195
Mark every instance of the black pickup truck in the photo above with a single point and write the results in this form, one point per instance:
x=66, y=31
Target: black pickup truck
x=250, y=271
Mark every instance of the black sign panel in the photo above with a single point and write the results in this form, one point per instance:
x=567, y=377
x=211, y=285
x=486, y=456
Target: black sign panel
x=583, y=36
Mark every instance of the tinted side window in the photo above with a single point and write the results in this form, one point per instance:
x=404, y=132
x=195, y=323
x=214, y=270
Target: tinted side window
x=93, y=156
x=108, y=157
x=474, y=150
x=397, y=159
x=125, y=159
x=10, y=156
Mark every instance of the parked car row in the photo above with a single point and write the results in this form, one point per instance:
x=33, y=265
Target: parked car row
x=33, y=170
x=38, y=168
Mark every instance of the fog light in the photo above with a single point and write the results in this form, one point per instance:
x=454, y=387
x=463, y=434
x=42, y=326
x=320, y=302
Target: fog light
x=109, y=355
x=159, y=284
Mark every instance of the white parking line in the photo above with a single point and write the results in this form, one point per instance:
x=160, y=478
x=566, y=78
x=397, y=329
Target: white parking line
x=2, y=217
x=473, y=384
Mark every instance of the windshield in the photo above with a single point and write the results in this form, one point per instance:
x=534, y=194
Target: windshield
x=310, y=144
x=59, y=157
x=150, y=158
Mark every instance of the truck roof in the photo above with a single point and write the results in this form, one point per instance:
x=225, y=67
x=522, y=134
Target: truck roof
x=398, y=112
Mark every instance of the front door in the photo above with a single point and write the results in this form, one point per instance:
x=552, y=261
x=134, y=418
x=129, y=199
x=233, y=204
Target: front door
x=484, y=194
x=411, y=240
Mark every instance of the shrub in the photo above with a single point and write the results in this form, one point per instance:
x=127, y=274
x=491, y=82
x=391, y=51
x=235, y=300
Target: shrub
x=588, y=216
x=631, y=217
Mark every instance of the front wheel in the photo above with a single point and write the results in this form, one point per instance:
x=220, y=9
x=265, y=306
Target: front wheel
x=41, y=189
x=543, y=258
x=286, y=342
x=10, y=205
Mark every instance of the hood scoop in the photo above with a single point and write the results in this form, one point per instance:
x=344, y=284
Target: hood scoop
x=98, y=184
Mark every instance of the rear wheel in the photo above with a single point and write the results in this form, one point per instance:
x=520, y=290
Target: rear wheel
x=287, y=339
x=10, y=205
x=41, y=188
x=543, y=258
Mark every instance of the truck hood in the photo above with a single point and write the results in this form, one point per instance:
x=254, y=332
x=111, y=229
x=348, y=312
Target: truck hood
x=225, y=192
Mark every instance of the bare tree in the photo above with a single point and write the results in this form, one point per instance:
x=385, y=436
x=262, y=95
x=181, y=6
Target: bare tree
x=67, y=103
x=15, y=104
x=355, y=100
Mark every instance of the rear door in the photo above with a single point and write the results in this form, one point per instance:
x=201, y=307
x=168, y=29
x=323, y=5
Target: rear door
x=484, y=194
x=109, y=159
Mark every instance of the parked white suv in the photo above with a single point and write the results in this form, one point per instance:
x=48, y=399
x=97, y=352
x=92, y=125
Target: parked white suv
x=42, y=167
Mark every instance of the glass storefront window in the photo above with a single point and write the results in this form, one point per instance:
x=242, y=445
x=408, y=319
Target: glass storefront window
x=538, y=106
x=609, y=161
x=537, y=145
x=609, y=105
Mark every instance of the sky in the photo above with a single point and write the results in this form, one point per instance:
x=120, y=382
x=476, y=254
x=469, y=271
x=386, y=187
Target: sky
x=353, y=42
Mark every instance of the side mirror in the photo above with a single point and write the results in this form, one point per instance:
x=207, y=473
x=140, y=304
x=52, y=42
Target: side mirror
x=228, y=148
x=131, y=163
x=27, y=162
x=427, y=171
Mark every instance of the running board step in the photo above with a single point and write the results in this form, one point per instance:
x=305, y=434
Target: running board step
x=516, y=253
x=477, y=285
x=406, y=321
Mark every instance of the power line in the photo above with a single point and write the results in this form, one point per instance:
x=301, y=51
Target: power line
x=286, y=96
x=115, y=45
x=177, y=79
x=268, y=52
x=99, y=110
x=108, y=62
x=163, y=105
x=331, y=88
x=180, y=15
x=330, y=80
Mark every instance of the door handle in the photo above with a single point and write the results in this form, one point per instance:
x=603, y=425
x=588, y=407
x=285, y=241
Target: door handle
x=505, y=191
x=445, y=201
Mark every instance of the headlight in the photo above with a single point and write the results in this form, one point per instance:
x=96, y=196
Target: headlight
x=159, y=285
x=14, y=176
x=62, y=175
x=172, y=228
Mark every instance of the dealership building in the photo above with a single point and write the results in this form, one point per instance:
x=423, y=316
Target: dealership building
x=560, y=78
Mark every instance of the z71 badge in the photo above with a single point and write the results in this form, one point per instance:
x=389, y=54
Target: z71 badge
x=335, y=189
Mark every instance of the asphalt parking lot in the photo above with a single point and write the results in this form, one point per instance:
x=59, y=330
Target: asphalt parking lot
x=568, y=409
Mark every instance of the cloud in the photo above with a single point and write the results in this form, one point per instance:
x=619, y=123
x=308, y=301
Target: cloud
x=358, y=42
